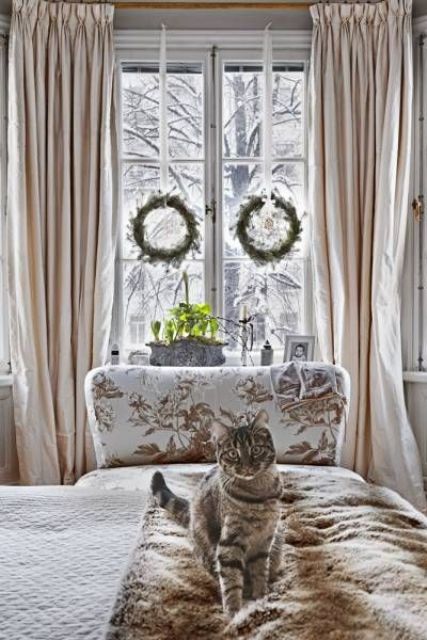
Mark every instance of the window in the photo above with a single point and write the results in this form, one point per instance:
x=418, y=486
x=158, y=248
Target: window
x=215, y=160
x=148, y=291
x=136, y=329
x=4, y=334
x=414, y=298
x=275, y=295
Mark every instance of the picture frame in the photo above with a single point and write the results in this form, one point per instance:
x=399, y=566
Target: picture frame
x=299, y=348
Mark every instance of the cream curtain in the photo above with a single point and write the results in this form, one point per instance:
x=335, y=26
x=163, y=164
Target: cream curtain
x=361, y=90
x=61, y=225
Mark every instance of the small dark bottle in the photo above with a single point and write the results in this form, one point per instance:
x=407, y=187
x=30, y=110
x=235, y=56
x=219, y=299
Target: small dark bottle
x=115, y=355
x=267, y=354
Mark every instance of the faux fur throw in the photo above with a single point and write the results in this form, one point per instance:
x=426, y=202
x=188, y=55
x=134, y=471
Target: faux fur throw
x=354, y=568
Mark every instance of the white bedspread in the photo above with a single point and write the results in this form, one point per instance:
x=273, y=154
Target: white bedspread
x=62, y=552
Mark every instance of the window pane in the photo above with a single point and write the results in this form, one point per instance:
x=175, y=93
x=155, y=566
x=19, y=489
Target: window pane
x=242, y=180
x=188, y=180
x=140, y=108
x=140, y=111
x=239, y=181
x=242, y=111
x=149, y=291
x=288, y=121
x=288, y=179
x=276, y=297
x=185, y=113
x=139, y=180
x=242, y=86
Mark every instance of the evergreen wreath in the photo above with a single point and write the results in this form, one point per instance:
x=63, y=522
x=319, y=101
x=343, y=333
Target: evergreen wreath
x=177, y=253
x=253, y=206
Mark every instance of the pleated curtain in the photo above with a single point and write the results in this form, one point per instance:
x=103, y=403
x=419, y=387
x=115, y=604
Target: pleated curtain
x=361, y=103
x=62, y=223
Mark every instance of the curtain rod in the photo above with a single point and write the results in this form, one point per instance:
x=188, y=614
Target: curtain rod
x=210, y=4
x=214, y=4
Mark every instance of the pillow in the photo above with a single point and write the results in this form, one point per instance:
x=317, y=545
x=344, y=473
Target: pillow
x=159, y=415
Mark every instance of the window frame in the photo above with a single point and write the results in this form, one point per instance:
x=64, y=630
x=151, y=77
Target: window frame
x=280, y=55
x=212, y=52
x=150, y=55
x=411, y=313
x=4, y=303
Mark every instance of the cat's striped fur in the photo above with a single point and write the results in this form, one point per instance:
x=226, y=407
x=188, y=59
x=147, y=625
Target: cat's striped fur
x=234, y=514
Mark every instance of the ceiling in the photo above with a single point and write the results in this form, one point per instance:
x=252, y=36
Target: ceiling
x=204, y=19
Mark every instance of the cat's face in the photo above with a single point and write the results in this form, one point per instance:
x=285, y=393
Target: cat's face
x=244, y=452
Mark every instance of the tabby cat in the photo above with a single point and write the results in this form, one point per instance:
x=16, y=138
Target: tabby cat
x=233, y=516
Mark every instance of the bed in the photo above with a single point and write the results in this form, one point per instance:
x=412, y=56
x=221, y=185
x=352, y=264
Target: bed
x=63, y=550
x=100, y=560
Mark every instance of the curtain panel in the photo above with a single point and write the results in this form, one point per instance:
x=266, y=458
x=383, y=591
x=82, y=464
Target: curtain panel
x=61, y=225
x=361, y=101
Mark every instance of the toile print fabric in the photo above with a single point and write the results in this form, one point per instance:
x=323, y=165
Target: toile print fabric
x=159, y=415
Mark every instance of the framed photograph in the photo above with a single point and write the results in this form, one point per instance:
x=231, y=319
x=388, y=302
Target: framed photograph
x=299, y=348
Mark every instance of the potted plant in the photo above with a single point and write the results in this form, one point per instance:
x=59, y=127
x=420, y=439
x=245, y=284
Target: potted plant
x=187, y=337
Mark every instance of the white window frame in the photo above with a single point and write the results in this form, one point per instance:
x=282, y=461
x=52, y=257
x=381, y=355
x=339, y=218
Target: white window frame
x=203, y=47
x=280, y=55
x=4, y=316
x=151, y=55
x=412, y=315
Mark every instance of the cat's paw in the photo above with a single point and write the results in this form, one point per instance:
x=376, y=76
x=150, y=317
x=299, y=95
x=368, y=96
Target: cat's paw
x=232, y=607
x=157, y=483
x=257, y=594
x=275, y=575
x=230, y=612
x=159, y=489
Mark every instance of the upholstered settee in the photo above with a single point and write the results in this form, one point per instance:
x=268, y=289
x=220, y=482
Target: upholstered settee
x=160, y=415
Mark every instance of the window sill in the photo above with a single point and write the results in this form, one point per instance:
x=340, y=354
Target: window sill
x=6, y=380
x=415, y=376
x=233, y=358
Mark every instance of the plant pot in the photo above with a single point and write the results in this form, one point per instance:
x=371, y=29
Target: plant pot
x=186, y=352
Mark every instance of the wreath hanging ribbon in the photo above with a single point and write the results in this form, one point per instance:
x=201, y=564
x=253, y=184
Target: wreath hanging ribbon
x=164, y=199
x=268, y=201
x=163, y=123
x=268, y=113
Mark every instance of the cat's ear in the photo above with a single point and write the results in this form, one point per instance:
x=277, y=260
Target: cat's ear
x=260, y=421
x=218, y=431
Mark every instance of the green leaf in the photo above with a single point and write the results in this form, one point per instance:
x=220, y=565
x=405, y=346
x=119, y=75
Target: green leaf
x=170, y=331
x=203, y=308
x=186, y=286
x=155, y=329
x=213, y=326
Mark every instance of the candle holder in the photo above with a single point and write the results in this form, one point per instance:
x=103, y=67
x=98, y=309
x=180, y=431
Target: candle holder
x=246, y=338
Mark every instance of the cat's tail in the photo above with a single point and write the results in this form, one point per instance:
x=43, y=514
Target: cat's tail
x=179, y=508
